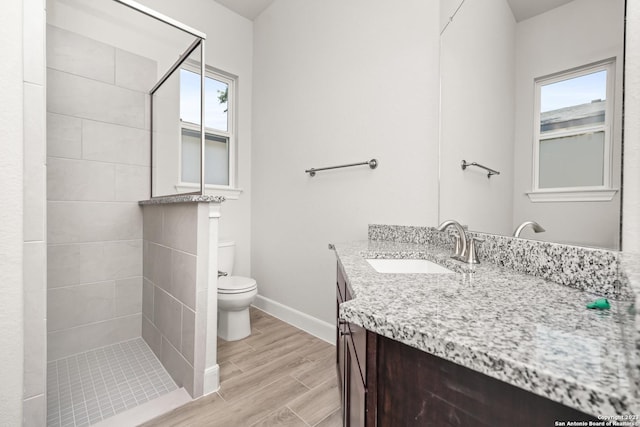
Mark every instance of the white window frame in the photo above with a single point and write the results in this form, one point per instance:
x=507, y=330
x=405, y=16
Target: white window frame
x=230, y=191
x=603, y=192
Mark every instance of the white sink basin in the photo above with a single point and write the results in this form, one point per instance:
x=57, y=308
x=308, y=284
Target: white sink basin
x=407, y=266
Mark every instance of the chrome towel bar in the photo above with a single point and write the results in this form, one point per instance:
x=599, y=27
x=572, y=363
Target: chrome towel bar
x=491, y=171
x=373, y=163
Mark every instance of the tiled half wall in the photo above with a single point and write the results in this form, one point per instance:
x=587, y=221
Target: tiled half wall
x=174, y=297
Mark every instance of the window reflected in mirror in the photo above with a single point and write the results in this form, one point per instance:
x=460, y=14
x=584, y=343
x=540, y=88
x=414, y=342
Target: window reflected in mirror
x=573, y=139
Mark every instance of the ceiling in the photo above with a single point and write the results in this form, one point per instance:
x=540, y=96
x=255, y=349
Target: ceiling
x=250, y=9
x=522, y=9
x=525, y=9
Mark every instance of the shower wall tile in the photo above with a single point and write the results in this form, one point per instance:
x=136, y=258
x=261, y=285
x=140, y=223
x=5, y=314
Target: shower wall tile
x=167, y=315
x=188, y=334
x=157, y=265
x=35, y=309
x=183, y=278
x=90, y=99
x=64, y=136
x=77, y=222
x=152, y=223
x=73, y=264
x=147, y=299
x=73, y=306
x=147, y=112
x=132, y=183
x=177, y=366
x=75, y=54
x=128, y=296
x=180, y=227
x=76, y=180
x=152, y=336
x=87, y=337
x=135, y=72
x=123, y=259
x=107, y=142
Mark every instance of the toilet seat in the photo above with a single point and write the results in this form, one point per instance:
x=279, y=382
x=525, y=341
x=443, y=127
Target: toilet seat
x=235, y=284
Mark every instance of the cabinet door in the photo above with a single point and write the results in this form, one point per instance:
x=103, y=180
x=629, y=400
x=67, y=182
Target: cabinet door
x=341, y=330
x=340, y=350
x=355, y=390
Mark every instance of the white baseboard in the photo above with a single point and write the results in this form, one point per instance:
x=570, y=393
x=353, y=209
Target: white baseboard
x=316, y=327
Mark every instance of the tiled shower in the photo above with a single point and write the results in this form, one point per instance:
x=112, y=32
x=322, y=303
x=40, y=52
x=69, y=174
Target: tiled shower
x=98, y=169
x=88, y=387
x=130, y=314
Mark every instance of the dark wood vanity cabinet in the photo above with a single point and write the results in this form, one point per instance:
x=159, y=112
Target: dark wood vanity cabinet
x=386, y=383
x=351, y=359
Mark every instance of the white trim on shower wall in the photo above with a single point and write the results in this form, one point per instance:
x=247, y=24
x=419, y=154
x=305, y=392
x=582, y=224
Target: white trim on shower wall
x=211, y=379
x=316, y=327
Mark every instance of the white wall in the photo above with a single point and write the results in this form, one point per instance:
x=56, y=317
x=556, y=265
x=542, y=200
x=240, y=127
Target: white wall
x=548, y=43
x=229, y=47
x=338, y=82
x=631, y=201
x=477, y=78
x=11, y=220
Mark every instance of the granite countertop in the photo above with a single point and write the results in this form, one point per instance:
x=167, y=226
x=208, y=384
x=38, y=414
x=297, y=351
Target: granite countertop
x=521, y=329
x=182, y=198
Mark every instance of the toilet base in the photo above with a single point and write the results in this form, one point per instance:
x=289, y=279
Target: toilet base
x=234, y=325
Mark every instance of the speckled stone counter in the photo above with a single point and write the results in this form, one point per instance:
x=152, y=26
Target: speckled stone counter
x=182, y=199
x=521, y=329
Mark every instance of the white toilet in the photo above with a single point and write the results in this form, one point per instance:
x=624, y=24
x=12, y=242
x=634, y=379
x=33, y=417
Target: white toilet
x=235, y=294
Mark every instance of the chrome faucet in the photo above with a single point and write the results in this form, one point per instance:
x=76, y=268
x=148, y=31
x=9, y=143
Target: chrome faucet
x=534, y=225
x=461, y=240
x=465, y=249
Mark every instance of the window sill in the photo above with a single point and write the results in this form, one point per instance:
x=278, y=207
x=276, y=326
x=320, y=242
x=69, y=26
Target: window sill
x=211, y=190
x=572, y=195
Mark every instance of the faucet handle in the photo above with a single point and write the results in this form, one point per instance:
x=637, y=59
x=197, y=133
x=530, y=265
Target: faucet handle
x=471, y=255
x=457, y=244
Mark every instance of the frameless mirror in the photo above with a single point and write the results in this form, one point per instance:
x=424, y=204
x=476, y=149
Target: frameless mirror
x=533, y=90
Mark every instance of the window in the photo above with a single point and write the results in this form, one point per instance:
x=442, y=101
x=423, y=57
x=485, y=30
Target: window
x=219, y=128
x=572, y=134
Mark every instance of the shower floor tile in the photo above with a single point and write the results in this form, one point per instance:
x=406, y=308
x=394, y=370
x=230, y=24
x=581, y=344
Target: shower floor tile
x=89, y=387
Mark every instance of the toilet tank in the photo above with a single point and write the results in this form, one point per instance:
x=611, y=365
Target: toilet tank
x=226, y=252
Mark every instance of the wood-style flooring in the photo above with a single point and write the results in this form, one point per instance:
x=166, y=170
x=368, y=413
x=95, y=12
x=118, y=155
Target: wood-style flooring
x=278, y=376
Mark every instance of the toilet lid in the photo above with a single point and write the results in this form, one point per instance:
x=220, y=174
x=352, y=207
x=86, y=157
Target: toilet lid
x=235, y=284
